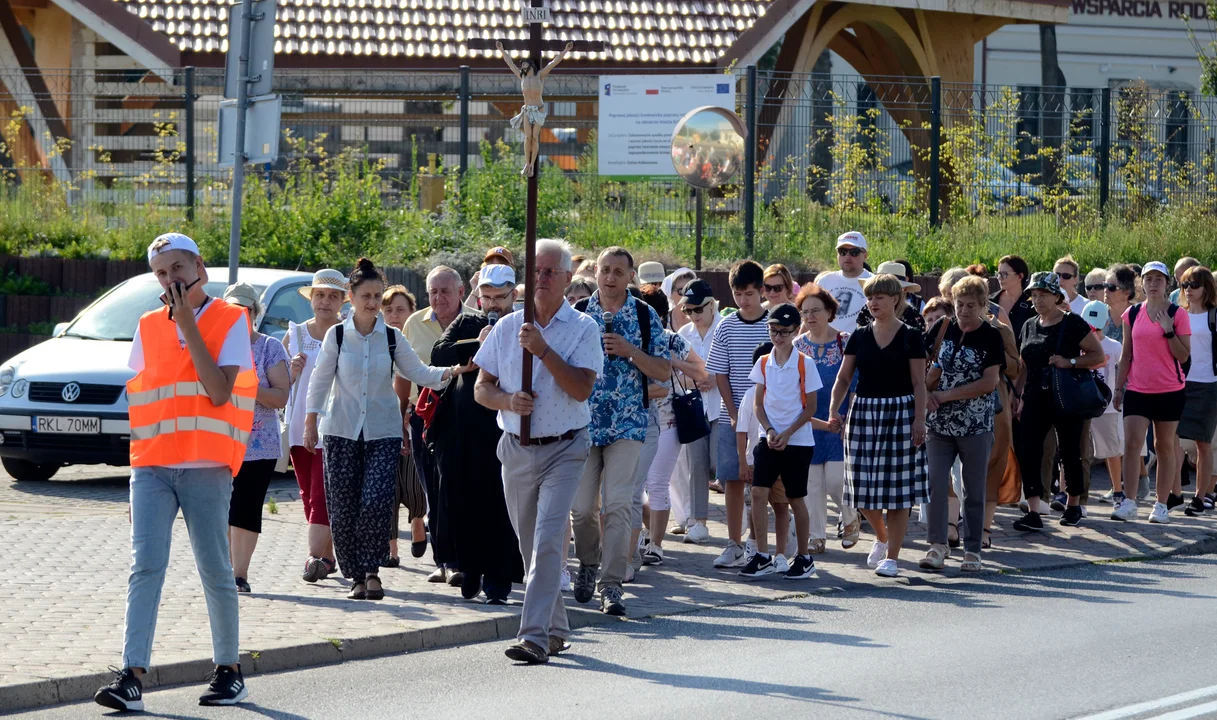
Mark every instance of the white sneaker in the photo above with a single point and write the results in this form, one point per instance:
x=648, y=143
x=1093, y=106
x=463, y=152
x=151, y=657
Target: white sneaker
x=750, y=547
x=733, y=556
x=698, y=533
x=565, y=580
x=780, y=564
x=887, y=568
x=1125, y=511
x=1084, y=512
x=792, y=542
x=1159, y=514
x=1108, y=497
x=878, y=551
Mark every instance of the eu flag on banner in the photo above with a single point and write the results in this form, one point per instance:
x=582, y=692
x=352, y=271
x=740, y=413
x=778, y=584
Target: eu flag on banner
x=724, y=88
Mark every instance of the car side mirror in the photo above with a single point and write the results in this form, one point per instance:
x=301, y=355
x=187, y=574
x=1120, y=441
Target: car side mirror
x=59, y=329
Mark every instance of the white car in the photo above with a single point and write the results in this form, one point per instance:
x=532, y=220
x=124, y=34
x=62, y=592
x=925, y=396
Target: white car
x=64, y=401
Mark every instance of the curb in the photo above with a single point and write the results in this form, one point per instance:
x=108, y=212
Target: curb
x=76, y=688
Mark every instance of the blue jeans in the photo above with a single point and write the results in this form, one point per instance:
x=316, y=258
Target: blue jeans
x=203, y=495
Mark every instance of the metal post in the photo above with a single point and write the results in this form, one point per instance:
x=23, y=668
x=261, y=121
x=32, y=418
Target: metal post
x=1104, y=149
x=464, y=139
x=935, y=149
x=701, y=225
x=190, y=150
x=238, y=165
x=750, y=162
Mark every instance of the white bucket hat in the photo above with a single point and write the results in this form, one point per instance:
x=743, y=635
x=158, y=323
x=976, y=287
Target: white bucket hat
x=327, y=279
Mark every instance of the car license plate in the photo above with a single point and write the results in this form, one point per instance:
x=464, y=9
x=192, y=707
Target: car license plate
x=66, y=425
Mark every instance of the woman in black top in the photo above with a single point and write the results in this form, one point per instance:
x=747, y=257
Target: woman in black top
x=885, y=462
x=1054, y=339
x=1013, y=275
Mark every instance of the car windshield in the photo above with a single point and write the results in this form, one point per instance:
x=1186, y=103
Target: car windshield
x=116, y=315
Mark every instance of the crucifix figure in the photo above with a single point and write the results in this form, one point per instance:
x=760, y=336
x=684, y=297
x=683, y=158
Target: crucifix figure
x=532, y=114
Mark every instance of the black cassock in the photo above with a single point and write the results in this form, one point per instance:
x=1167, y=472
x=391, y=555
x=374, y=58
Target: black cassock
x=465, y=437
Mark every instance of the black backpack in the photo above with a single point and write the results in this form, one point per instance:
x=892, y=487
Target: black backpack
x=390, y=331
x=644, y=311
x=1181, y=369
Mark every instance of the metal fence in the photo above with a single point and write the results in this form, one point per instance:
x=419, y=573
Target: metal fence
x=825, y=148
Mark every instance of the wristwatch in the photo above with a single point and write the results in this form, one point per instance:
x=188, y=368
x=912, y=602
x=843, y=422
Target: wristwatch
x=1169, y=335
x=1073, y=362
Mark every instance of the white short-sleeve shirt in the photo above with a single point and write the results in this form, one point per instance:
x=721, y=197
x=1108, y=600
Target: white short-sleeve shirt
x=783, y=401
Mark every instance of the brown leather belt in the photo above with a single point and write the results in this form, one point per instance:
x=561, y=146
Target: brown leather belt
x=568, y=435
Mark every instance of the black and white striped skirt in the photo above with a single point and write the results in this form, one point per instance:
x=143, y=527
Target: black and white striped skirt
x=883, y=469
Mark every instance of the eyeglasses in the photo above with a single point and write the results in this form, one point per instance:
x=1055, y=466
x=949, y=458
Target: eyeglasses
x=1003, y=274
x=852, y=252
x=693, y=310
x=1066, y=276
x=811, y=312
x=1191, y=285
x=547, y=273
x=780, y=333
x=775, y=288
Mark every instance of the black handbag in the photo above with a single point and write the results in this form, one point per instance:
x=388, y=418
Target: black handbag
x=1077, y=392
x=690, y=414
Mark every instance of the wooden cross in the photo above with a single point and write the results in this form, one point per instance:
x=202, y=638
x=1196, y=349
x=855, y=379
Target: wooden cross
x=535, y=46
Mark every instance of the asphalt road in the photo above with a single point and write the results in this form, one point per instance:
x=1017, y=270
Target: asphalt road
x=1057, y=645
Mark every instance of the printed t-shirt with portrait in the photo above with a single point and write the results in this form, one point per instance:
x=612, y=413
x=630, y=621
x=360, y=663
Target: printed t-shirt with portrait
x=848, y=294
x=964, y=357
x=783, y=399
x=1153, y=369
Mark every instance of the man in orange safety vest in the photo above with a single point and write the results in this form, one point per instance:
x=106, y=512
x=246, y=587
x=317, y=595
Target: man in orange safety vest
x=191, y=406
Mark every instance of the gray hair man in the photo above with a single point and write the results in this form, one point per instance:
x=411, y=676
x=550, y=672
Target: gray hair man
x=541, y=476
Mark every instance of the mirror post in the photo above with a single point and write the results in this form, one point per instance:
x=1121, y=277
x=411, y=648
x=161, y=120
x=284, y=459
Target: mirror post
x=701, y=212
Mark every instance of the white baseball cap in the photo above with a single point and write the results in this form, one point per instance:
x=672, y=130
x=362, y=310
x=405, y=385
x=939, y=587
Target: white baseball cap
x=853, y=238
x=1155, y=266
x=497, y=276
x=172, y=241
x=1097, y=314
x=650, y=272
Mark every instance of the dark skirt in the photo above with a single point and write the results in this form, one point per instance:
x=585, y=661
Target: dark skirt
x=883, y=469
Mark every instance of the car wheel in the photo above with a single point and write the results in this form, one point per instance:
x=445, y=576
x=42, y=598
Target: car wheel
x=26, y=471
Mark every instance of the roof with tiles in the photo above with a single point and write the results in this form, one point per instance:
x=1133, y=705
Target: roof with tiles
x=678, y=32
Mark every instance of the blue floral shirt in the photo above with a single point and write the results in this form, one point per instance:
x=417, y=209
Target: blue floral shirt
x=616, y=402
x=827, y=359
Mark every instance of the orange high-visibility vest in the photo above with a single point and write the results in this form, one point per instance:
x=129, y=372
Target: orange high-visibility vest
x=173, y=420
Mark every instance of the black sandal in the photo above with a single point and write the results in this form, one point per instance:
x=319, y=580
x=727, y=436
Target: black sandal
x=359, y=591
x=378, y=593
x=418, y=548
x=953, y=543
x=391, y=562
x=987, y=541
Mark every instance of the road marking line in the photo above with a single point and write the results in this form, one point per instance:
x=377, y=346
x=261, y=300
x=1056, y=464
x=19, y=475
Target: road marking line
x=1152, y=705
x=1191, y=712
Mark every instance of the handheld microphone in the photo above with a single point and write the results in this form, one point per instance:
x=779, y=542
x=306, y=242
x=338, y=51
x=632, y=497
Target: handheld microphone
x=493, y=317
x=608, y=321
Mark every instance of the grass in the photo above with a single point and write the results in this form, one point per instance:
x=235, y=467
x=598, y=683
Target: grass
x=272, y=507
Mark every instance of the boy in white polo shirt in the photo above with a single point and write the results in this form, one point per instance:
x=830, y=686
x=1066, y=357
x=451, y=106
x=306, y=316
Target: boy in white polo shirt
x=786, y=385
x=1107, y=430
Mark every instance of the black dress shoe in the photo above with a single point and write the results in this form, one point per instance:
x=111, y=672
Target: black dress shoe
x=391, y=562
x=418, y=549
x=471, y=585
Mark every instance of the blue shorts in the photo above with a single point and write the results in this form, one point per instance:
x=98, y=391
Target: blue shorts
x=726, y=453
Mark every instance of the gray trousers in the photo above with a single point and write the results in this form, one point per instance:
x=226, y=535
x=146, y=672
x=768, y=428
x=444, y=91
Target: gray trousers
x=698, y=457
x=645, y=458
x=539, y=485
x=973, y=453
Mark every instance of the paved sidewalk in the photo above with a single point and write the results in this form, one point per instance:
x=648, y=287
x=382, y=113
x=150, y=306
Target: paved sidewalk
x=66, y=544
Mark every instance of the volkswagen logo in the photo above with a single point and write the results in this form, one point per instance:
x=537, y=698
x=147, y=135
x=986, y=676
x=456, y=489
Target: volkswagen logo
x=71, y=392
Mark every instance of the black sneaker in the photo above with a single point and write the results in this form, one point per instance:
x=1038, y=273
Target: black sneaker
x=227, y=687
x=1073, y=516
x=610, y=600
x=585, y=583
x=1029, y=522
x=242, y=585
x=1173, y=501
x=126, y=692
x=759, y=565
x=802, y=566
x=1059, y=502
x=1195, y=508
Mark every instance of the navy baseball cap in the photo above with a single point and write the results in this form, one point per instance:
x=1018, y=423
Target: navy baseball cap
x=697, y=293
x=784, y=315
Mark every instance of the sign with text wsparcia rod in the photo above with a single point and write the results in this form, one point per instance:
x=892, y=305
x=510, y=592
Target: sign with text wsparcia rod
x=638, y=114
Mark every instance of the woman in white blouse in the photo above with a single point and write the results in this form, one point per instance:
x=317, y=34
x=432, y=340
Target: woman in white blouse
x=362, y=427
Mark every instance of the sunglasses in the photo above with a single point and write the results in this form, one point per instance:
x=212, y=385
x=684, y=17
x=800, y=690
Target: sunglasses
x=694, y=310
x=852, y=252
x=1066, y=276
x=775, y=288
x=1095, y=288
x=780, y=333
x=1191, y=285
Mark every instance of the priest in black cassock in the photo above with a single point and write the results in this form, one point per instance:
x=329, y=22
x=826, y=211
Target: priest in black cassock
x=465, y=435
